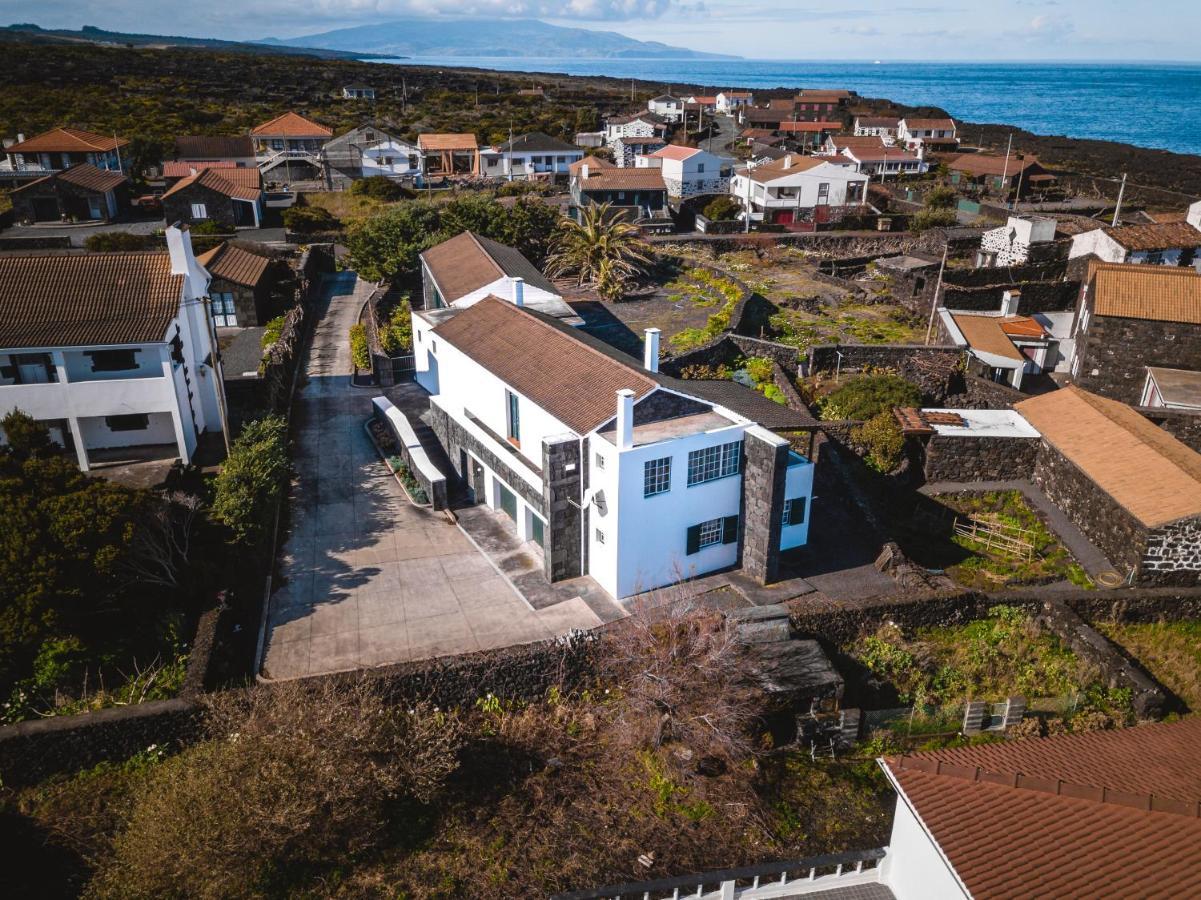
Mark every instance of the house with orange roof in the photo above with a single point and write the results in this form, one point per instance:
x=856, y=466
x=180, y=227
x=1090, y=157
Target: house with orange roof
x=233, y=198
x=449, y=154
x=872, y=156
x=798, y=190
x=290, y=140
x=80, y=193
x=688, y=171
x=59, y=149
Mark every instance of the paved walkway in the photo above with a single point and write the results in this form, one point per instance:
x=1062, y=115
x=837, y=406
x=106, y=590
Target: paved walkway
x=1085, y=552
x=366, y=578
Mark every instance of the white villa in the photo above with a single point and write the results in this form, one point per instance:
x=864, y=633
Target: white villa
x=668, y=107
x=729, y=102
x=528, y=156
x=367, y=151
x=795, y=188
x=606, y=468
x=1156, y=244
x=932, y=134
x=872, y=156
x=883, y=127
x=1010, y=244
x=110, y=350
x=688, y=171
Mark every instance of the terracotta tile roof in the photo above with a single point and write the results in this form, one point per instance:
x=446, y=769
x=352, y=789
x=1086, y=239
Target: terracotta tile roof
x=1156, y=236
x=220, y=146
x=574, y=382
x=90, y=178
x=67, y=140
x=790, y=164
x=447, y=142
x=237, y=264
x=235, y=183
x=72, y=300
x=986, y=335
x=1158, y=293
x=1022, y=327
x=822, y=93
x=810, y=126
x=675, y=151
x=877, y=122
x=930, y=124
x=592, y=162
x=1149, y=473
x=1100, y=814
x=987, y=164
x=292, y=124
x=468, y=262
x=184, y=168
x=628, y=179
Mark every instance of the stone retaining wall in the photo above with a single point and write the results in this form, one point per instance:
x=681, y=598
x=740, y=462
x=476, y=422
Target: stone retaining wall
x=974, y=392
x=1183, y=425
x=428, y=475
x=979, y=458
x=1037, y=296
x=930, y=367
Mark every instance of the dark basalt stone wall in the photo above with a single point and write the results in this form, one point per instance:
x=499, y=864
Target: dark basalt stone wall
x=980, y=458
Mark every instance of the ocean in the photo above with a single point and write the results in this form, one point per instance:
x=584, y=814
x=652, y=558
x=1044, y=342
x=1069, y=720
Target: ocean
x=1146, y=104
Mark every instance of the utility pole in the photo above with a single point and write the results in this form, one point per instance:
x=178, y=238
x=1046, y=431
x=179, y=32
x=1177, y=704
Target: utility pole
x=1005, y=171
x=937, y=290
x=1117, y=210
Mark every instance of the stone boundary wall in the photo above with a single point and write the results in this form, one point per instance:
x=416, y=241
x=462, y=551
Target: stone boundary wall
x=453, y=436
x=1183, y=425
x=976, y=392
x=1148, y=699
x=842, y=244
x=783, y=355
x=992, y=276
x=980, y=458
x=33, y=750
x=40, y=242
x=428, y=475
x=931, y=367
x=1037, y=296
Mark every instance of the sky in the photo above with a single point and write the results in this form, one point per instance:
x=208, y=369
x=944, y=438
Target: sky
x=1158, y=30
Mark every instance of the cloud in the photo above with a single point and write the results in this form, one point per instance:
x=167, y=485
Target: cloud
x=1044, y=29
x=589, y=10
x=857, y=30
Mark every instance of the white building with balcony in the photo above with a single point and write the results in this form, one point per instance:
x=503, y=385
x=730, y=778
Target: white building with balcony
x=367, y=152
x=60, y=149
x=604, y=467
x=796, y=189
x=289, y=140
x=688, y=171
x=528, y=156
x=110, y=350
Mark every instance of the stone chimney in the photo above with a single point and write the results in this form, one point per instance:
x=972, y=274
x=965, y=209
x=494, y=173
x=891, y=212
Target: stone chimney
x=1009, y=302
x=650, y=350
x=519, y=292
x=625, y=419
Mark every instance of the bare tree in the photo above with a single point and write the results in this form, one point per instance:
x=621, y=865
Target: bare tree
x=162, y=540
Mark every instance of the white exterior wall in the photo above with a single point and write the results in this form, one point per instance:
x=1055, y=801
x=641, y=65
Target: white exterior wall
x=673, y=111
x=1099, y=244
x=651, y=532
x=521, y=164
x=97, y=434
x=1194, y=215
x=914, y=868
x=798, y=482
x=803, y=186
x=1163, y=257
x=399, y=152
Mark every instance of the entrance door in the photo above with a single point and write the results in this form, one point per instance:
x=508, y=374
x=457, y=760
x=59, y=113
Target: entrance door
x=45, y=209
x=785, y=217
x=508, y=502
x=95, y=208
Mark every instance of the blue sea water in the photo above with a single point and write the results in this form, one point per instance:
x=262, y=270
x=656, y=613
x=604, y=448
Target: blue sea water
x=1147, y=104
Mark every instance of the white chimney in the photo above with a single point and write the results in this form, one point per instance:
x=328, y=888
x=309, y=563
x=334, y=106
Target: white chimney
x=584, y=171
x=788, y=161
x=650, y=350
x=1009, y=302
x=519, y=292
x=179, y=246
x=20, y=138
x=625, y=419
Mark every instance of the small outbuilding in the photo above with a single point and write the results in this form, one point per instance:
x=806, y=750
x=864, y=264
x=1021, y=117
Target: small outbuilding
x=243, y=279
x=80, y=193
x=233, y=198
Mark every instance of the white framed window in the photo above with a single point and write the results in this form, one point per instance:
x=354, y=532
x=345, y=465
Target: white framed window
x=656, y=476
x=794, y=511
x=199, y=211
x=711, y=463
x=710, y=533
x=224, y=314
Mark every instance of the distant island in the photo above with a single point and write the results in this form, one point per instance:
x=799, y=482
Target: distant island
x=90, y=34
x=487, y=38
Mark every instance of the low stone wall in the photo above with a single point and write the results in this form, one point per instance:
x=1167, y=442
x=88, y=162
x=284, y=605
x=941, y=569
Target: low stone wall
x=1037, y=296
x=979, y=458
x=1183, y=425
x=1147, y=698
x=974, y=392
x=930, y=367
x=35, y=242
x=783, y=355
x=428, y=475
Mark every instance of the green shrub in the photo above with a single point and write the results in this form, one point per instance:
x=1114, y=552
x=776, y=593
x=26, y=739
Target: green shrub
x=360, y=355
x=272, y=330
x=925, y=219
x=379, y=187
x=207, y=227
x=941, y=197
x=882, y=437
x=722, y=209
x=118, y=242
x=397, y=334
x=309, y=219
x=866, y=395
x=253, y=480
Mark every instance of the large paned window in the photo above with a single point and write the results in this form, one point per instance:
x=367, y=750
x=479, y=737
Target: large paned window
x=656, y=476
x=512, y=418
x=224, y=314
x=715, y=462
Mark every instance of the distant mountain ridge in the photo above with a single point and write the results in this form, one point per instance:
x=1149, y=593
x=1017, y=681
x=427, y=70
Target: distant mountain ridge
x=488, y=38
x=90, y=34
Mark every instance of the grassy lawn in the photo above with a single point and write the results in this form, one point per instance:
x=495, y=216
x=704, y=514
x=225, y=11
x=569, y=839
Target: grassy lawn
x=1022, y=551
x=851, y=323
x=700, y=289
x=1170, y=651
x=347, y=207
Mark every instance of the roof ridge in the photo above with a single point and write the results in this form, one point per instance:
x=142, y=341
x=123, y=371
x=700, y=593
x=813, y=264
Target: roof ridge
x=1016, y=780
x=476, y=239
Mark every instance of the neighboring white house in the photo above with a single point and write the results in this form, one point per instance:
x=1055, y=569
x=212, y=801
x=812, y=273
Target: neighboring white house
x=1164, y=243
x=794, y=188
x=468, y=267
x=872, y=156
x=729, y=102
x=366, y=152
x=883, y=127
x=110, y=350
x=605, y=468
x=666, y=106
x=933, y=134
x=1172, y=389
x=529, y=155
x=358, y=92
x=1010, y=244
x=688, y=171
x=639, y=125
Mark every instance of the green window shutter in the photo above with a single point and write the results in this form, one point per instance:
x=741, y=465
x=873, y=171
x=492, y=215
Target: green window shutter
x=693, y=543
x=729, y=530
x=797, y=511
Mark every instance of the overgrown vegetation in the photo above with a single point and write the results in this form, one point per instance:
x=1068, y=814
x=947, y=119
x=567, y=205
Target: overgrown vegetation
x=938, y=210
x=601, y=249
x=849, y=323
x=252, y=480
x=117, y=242
x=1170, y=651
x=396, y=335
x=702, y=288
x=381, y=188
x=883, y=440
x=722, y=209
x=865, y=396
x=360, y=352
x=309, y=219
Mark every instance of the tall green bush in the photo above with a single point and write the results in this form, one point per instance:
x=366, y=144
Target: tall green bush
x=253, y=479
x=360, y=354
x=883, y=439
x=866, y=395
x=397, y=335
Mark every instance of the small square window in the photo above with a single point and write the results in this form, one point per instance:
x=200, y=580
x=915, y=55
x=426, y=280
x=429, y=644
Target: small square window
x=113, y=360
x=656, y=476
x=600, y=461
x=600, y=536
x=133, y=422
x=199, y=211
x=710, y=533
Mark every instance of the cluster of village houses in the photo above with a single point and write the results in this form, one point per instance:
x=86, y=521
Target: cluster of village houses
x=611, y=468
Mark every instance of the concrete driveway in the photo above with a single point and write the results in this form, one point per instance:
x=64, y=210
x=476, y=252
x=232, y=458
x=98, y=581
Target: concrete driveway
x=366, y=578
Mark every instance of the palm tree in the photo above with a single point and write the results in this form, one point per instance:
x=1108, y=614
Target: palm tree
x=601, y=249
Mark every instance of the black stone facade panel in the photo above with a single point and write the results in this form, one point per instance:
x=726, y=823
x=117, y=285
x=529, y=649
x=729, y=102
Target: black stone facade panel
x=454, y=437
x=1114, y=354
x=980, y=458
x=765, y=467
